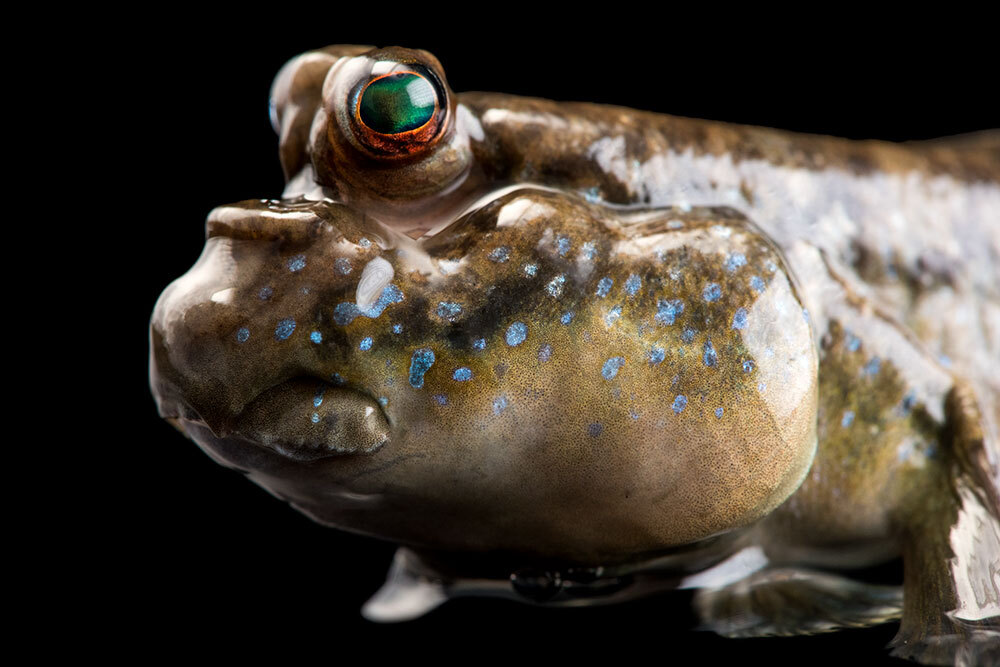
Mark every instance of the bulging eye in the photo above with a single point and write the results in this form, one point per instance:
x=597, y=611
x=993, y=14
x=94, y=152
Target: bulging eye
x=399, y=112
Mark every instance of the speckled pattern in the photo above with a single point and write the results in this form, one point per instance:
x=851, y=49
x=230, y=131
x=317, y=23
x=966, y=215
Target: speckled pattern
x=590, y=335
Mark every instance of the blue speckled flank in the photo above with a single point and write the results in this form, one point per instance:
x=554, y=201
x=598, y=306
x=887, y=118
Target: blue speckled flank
x=604, y=286
x=383, y=401
x=748, y=366
x=595, y=429
x=242, y=334
x=364, y=243
x=734, y=261
x=667, y=311
x=499, y=404
x=449, y=310
x=718, y=413
x=342, y=265
x=346, y=312
x=366, y=344
x=589, y=250
x=463, y=374
x=397, y=328
x=657, y=355
x=771, y=266
x=740, y=318
x=516, y=333
x=265, y=293
x=284, y=329
x=562, y=245
x=872, y=367
x=852, y=342
x=712, y=292
x=297, y=263
x=847, y=419
x=316, y=337
x=633, y=284
x=440, y=399
x=499, y=254
x=710, y=358
x=612, y=315
x=530, y=269
x=318, y=398
x=567, y=317
x=544, y=353
x=479, y=343
x=611, y=366
x=420, y=363
x=688, y=335
x=757, y=284
x=315, y=418
x=680, y=403
x=555, y=286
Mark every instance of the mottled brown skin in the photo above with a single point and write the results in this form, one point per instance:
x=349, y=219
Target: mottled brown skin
x=794, y=403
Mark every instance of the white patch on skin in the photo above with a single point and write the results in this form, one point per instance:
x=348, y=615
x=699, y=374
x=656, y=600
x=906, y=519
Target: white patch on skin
x=376, y=275
x=738, y=566
x=224, y=296
x=975, y=569
x=521, y=210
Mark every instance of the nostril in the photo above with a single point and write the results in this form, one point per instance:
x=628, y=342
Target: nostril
x=305, y=419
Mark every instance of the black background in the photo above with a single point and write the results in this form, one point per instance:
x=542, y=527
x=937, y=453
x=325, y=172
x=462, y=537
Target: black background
x=194, y=559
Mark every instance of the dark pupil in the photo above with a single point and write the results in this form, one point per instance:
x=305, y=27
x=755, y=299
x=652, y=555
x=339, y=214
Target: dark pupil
x=397, y=103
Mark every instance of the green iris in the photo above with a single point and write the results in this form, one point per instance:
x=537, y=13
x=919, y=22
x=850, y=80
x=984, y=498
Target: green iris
x=397, y=103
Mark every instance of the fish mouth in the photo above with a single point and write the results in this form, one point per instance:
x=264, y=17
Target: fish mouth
x=305, y=419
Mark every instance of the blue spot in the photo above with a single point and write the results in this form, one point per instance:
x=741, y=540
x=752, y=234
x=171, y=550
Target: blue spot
x=771, y=266
x=680, y=403
x=761, y=386
x=346, y=312
x=397, y=328
x=342, y=265
x=712, y=292
x=563, y=244
x=710, y=358
x=297, y=263
x=852, y=342
x=805, y=314
x=440, y=399
x=945, y=360
x=567, y=317
x=499, y=404
x=338, y=379
x=734, y=261
x=383, y=401
x=516, y=333
x=667, y=311
x=595, y=430
x=364, y=243
x=499, y=254
x=592, y=195
x=449, y=310
x=757, y=284
x=908, y=402
x=847, y=419
x=318, y=398
x=316, y=337
x=604, y=286
x=284, y=329
x=718, y=413
x=633, y=284
x=633, y=414
x=555, y=286
x=242, y=334
x=740, y=318
x=872, y=367
x=688, y=335
x=544, y=353
x=315, y=417
x=420, y=363
x=589, y=250
x=479, y=343
x=462, y=374
x=530, y=269
x=611, y=367
x=656, y=355
x=612, y=316
x=748, y=366
x=366, y=344
x=265, y=293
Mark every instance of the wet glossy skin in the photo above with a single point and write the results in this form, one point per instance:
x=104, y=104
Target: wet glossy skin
x=592, y=336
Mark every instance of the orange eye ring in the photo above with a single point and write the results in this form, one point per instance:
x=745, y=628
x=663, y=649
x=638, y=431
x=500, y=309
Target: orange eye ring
x=400, y=112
